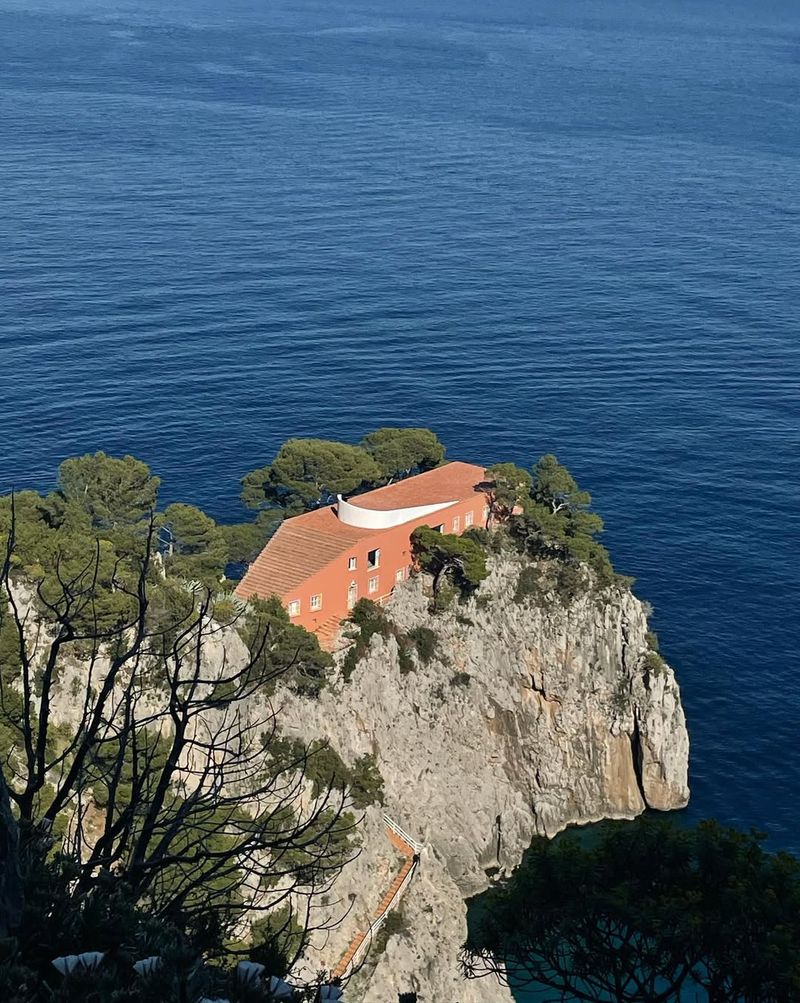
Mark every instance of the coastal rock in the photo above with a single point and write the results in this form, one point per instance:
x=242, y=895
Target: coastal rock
x=528, y=718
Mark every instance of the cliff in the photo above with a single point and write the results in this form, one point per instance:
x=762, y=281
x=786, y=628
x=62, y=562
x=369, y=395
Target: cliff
x=526, y=719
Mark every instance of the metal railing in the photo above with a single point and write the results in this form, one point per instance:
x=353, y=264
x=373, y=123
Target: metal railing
x=413, y=843
x=366, y=942
x=378, y=922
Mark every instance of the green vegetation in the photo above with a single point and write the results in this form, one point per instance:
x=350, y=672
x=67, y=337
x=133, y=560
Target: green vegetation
x=290, y=653
x=112, y=493
x=531, y=584
x=548, y=517
x=196, y=547
x=130, y=739
x=401, y=452
x=556, y=521
x=368, y=619
x=245, y=540
x=654, y=663
x=507, y=486
x=55, y=922
x=424, y=641
x=457, y=559
x=307, y=473
x=648, y=911
x=394, y=925
x=130, y=605
x=326, y=770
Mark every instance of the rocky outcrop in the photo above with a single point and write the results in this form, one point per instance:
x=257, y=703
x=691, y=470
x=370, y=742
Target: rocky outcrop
x=527, y=719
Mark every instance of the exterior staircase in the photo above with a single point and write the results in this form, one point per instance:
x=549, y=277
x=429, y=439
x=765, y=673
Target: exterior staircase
x=329, y=634
x=362, y=940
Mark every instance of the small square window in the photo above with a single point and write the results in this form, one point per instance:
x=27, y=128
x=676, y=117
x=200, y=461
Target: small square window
x=400, y=575
x=456, y=524
x=467, y=520
x=373, y=584
x=316, y=602
x=373, y=559
x=294, y=607
x=352, y=563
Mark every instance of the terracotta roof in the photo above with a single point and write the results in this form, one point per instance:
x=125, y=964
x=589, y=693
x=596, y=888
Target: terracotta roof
x=305, y=544
x=301, y=546
x=452, y=482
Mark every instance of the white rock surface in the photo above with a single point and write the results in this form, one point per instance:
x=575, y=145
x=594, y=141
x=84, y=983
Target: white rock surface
x=561, y=722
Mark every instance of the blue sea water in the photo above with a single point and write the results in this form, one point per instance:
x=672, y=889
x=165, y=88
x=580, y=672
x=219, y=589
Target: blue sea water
x=533, y=225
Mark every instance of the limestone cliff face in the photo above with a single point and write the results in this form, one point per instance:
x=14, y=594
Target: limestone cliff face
x=526, y=720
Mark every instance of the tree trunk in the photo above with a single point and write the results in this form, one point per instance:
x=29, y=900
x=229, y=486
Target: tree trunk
x=10, y=878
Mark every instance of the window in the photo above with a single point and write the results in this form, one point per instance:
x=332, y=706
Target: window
x=352, y=595
x=351, y=564
x=400, y=575
x=467, y=520
x=373, y=559
x=316, y=602
x=294, y=607
x=439, y=528
x=485, y=512
x=456, y=524
x=373, y=584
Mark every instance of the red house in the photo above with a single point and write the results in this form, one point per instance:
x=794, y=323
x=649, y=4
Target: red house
x=320, y=563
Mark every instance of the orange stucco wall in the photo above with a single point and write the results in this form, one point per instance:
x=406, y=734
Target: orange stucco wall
x=333, y=581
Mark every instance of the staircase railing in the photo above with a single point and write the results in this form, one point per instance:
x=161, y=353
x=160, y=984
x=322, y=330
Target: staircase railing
x=391, y=824
x=412, y=857
x=378, y=922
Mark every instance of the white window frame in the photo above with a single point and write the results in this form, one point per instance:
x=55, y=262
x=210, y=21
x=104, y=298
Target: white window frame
x=373, y=585
x=400, y=575
x=467, y=520
x=456, y=523
x=377, y=564
x=293, y=607
x=352, y=563
x=316, y=602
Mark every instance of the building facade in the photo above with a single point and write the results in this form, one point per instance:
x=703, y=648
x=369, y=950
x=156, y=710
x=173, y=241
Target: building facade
x=321, y=563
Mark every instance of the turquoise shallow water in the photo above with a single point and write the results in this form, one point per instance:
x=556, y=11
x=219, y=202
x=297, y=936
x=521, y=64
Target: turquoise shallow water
x=569, y=226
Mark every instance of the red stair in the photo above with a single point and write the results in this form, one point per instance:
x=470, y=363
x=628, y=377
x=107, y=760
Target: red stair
x=408, y=852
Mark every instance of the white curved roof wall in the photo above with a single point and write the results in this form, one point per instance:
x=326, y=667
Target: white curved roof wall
x=367, y=518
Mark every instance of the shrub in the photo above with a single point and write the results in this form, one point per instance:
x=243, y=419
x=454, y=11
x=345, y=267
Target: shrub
x=654, y=663
x=444, y=599
x=366, y=782
x=570, y=581
x=425, y=641
x=404, y=657
x=394, y=924
x=480, y=535
x=531, y=584
x=370, y=619
x=325, y=768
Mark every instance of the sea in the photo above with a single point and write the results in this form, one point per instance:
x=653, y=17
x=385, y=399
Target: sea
x=567, y=226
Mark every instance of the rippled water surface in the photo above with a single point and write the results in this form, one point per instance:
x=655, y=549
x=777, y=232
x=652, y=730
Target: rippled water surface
x=562, y=225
